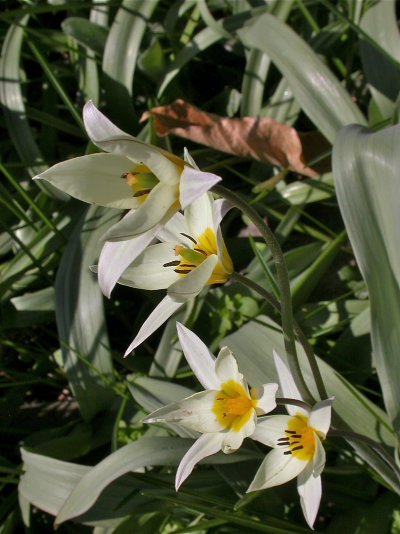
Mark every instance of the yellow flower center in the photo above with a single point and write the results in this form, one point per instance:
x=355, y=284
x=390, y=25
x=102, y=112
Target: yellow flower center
x=233, y=406
x=299, y=439
x=205, y=246
x=141, y=180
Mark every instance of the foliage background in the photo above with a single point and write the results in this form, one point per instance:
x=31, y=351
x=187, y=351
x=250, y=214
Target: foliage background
x=69, y=399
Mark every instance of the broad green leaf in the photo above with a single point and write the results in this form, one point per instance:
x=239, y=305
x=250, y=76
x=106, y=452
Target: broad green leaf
x=317, y=90
x=80, y=315
x=365, y=168
x=86, y=33
x=380, y=23
x=309, y=190
x=29, y=309
x=120, y=57
x=169, y=354
x=145, y=452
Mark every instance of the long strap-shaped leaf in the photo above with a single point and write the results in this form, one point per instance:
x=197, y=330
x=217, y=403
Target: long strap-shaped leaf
x=80, y=316
x=315, y=87
x=366, y=171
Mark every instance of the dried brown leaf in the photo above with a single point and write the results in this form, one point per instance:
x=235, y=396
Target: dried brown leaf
x=260, y=138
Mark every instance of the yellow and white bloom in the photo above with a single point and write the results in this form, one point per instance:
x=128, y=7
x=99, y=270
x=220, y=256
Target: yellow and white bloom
x=191, y=256
x=225, y=413
x=296, y=440
x=152, y=183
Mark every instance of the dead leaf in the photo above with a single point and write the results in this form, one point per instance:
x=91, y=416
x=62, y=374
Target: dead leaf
x=260, y=138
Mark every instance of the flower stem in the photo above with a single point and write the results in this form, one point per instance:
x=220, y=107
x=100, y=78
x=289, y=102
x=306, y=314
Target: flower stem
x=296, y=327
x=283, y=283
x=283, y=401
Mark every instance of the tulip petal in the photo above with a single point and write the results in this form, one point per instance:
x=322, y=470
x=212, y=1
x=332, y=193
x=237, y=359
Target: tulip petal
x=288, y=385
x=310, y=491
x=150, y=270
x=276, y=469
x=194, y=183
x=173, y=231
x=266, y=397
x=206, y=445
x=200, y=216
x=270, y=429
x=319, y=458
x=191, y=284
x=95, y=179
x=116, y=256
x=108, y=137
x=221, y=207
x=234, y=439
x=226, y=368
x=194, y=412
x=200, y=359
x=158, y=316
x=320, y=416
x=157, y=209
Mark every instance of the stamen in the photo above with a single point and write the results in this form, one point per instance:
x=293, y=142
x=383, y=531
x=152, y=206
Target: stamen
x=189, y=237
x=296, y=436
x=124, y=175
x=285, y=444
x=287, y=452
x=299, y=447
x=142, y=192
x=172, y=263
x=284, y=439
x=290, y=431
x=182, y=271
x=188, y=265
x=200, y=250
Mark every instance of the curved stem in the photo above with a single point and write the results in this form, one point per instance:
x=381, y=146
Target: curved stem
x=377, y=447
x=282, y=401
x=297, y=329
x=283, y=283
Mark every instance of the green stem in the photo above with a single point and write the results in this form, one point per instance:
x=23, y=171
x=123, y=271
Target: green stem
x=283, y=283
x=283, y=401
x=297, y=330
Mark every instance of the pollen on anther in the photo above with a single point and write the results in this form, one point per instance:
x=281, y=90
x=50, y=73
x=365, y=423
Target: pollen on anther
x=171, y=263
x=287, y=452
x=298, y=448
x=290, y=431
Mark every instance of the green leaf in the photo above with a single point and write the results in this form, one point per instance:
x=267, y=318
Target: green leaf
x=120, y=57
x=380, y=23
x=145, y=452
x=86, y=33
x=366, y=168
x=316, y=89
x=80, y=316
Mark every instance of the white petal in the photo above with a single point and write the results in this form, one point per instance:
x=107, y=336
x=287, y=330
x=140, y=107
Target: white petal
x=200, y=359
x=200, y=216
x=107, y=136
x=97, y=125
x=116, y=256
x=206, y=445
x=288, y=385
x=226, y=368
x=266, y=397
x=270, y=429
x=95, y=179
x=158, y=316
x=194, y=183
x=233, y=440
x=319, y=459
x=194, y=412
x=173, y=230
x=221, y=207
x=276, y=469
x=310, y=491
x=320, y=416
x=147, y=271
x=159, y=206
x=191, y=284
